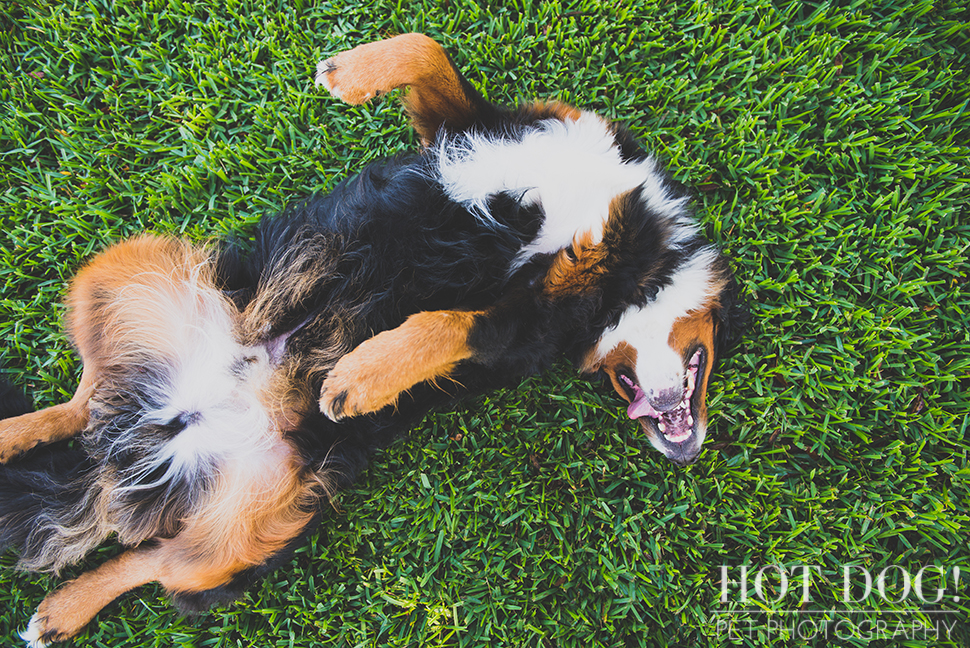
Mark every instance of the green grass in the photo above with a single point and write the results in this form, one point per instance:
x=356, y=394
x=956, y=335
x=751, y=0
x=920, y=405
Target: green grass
x=829, y=148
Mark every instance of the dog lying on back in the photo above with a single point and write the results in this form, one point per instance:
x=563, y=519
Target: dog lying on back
x=226, y=392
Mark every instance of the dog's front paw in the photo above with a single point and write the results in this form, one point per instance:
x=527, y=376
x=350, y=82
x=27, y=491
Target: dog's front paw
x=348, y=76
x=351, y=389
x=333, y=396
x=373, y=69
x=425, y=348
x=16, y=437
x=327, y=76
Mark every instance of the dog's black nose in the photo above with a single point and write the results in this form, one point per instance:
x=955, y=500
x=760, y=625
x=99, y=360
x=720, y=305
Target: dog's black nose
x=664, y=400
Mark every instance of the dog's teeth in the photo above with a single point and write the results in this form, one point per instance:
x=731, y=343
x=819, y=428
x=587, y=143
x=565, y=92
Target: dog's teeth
x=690, y=420
x=661, y=426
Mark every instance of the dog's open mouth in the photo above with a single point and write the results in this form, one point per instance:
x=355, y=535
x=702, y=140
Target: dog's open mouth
x=677, y=423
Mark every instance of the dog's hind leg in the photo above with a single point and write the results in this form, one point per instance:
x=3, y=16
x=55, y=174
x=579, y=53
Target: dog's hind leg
x=21, y=433
x=255, y=509
x=64, y=612
x=439, y=95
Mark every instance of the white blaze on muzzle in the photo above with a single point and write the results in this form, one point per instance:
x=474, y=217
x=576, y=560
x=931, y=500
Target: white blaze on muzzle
x=662, y=383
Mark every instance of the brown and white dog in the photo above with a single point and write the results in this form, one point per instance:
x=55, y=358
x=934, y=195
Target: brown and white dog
x=227, y=391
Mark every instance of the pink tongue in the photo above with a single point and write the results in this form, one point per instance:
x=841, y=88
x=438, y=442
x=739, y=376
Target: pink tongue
x=640, y=407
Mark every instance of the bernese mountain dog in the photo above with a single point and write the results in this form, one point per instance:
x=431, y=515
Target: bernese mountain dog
x=228, y=390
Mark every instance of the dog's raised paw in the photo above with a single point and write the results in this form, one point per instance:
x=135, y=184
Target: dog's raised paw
x=346, y=77
x=373, y=69
x=324, y=71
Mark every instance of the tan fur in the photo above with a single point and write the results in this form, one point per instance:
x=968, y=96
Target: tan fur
x=121, y=300
x=557, y=110
x=426, y=347
x=64, y=612
x=254, y=510
x=697, y=327
x=21, y=433
x=624, y=355
x=287, y=397
x=577, y=270
x=436, y=95
x=138, y=295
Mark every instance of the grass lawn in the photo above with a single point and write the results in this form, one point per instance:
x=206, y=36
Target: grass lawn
x=828, y=147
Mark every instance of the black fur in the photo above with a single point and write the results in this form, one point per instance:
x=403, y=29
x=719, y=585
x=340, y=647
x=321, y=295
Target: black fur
x=43, y=481
x=731, y=318
x=13, y=401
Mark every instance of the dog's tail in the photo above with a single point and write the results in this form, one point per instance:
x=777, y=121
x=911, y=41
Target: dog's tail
x=43, y=509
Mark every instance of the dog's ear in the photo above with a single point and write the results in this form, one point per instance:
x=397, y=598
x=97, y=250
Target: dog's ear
x=731, y=318
x=439, y=97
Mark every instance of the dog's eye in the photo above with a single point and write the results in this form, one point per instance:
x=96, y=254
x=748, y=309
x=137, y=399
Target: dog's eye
x=571, y=253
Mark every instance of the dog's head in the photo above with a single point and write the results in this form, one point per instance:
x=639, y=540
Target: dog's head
x=659, y=356
x=625, y=258
x=664, y=301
